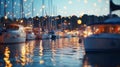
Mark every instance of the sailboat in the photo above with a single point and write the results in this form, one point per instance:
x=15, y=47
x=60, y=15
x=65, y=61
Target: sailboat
x=104, y=36
x=30, y=35
x=40, y=34
x=12, y=33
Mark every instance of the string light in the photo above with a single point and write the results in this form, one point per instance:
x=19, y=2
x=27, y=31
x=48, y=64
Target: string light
x=6, y=17
x=79, y=0
x=99, y=1
x=43, y=6
x=37, y=11
x=8, y=2
x=6, y=5
x=70, y=2
x=14, y=3
x=95, y=4
x=2, y=3
x=85, y=1
x=107, y=2
x=25, y=0
x=65, y=7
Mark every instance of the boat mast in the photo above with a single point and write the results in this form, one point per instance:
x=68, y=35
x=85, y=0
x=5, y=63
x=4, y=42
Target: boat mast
x=21, y=9
x=51, y=14
x=13, y=10
x=43, y=7
x=5, y=8
x=32, y=11
x=5, y=16
x=48, y=15
x=50, y=19
x=41, y=23
x=110, y=12
x=0, y=8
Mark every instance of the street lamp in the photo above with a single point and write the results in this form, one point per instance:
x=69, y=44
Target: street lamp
x=79, y=22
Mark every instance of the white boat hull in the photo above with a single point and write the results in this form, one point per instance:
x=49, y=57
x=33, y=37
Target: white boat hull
x=12, y=38
x=43, y=36
x=30, y=36
x=101, y=44
x=103, y=36
x=46, y=36
x=13, y=34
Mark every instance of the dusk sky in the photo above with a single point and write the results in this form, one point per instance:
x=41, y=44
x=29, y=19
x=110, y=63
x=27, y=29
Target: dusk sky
x=79, y=7
x=62, y=7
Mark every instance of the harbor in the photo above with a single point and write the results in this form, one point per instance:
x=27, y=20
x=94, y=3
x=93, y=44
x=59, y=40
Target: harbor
x=59, y=33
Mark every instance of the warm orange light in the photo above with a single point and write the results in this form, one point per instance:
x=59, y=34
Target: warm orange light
x=41, y=49
x=79, y=21
x=41, y=61
x=23, y=56
x=6, y=58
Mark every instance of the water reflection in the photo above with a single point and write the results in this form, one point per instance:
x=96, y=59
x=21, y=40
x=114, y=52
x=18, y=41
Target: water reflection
x=16, y=55
x=63, y=52
x=102, y=60
x=6, y=57
x=26, y=53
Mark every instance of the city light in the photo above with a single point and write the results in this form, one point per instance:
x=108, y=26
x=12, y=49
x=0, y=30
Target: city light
x=6, y=17
x=25, y=0
x=95, y=4
x=79, y=21
x=43, y=6
x=21, y=21
x=70, y=2
x=85, y=1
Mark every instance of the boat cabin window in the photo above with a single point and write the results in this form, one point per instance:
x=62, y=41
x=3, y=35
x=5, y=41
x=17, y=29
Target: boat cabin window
x=106, y=29
x=12, y=27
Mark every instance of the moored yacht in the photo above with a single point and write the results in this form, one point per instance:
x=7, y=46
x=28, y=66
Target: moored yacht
x=105, y=36
x=29, y=33
x=41, y=34
x=13, y=33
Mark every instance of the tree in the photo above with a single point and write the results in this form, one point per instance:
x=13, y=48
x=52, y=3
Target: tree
x=73, y=22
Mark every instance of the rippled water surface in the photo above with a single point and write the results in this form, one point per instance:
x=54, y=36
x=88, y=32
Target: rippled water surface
x=63, y=52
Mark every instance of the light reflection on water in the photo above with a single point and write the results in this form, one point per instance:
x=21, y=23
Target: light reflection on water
x=42, y=53
x=46, y=53
x=6, y=57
